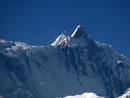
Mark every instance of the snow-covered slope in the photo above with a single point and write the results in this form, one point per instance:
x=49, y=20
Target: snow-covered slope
x=62, y=40
x=71, y=65
x=85, y=95
x=126, y=94
x=92, y=95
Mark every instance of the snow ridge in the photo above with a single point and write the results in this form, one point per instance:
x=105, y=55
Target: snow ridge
x=75, y=31
x=62, y=39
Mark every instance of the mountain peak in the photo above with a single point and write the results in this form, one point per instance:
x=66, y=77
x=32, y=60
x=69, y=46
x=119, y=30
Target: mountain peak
x=62, y=39
x=75, y=31
x=79, y=32
x=78, y=38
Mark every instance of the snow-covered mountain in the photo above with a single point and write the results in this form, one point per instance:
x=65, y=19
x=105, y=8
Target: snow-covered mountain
x=71, y=65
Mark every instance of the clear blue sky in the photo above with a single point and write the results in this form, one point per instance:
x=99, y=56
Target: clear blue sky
x=38, y=22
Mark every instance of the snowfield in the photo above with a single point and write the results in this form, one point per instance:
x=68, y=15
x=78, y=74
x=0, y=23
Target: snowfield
x=85, y=95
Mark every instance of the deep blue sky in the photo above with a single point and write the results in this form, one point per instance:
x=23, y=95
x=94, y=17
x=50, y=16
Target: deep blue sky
x=38, y=22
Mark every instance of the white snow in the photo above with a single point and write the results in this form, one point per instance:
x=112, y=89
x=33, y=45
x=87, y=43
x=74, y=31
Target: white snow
x=126, y=94
x=2, y=41
x=61, y=40
x=18, y=45
x=75, y=31
x=21, y=45
x=13, y=49
x=101, y=44
x=119, y=61
x=85, y=95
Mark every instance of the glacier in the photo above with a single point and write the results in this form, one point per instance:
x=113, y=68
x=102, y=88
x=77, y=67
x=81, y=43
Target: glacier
x=71, y=65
